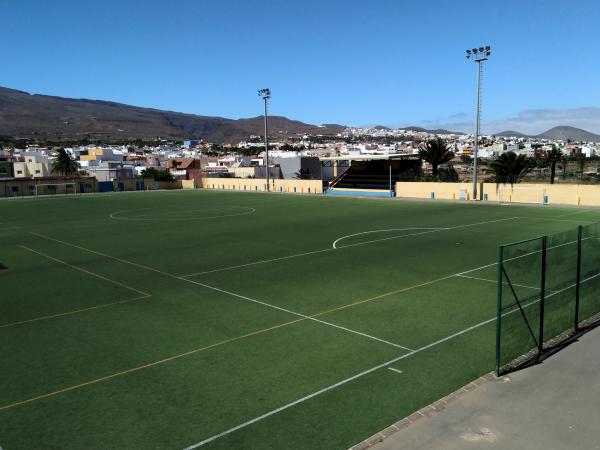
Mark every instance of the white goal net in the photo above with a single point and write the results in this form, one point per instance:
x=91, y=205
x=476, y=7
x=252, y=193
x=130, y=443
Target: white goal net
x=56, y=189
x=522, y=195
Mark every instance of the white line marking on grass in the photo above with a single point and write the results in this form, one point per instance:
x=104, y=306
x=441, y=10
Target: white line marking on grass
x=114, y=215
x=363, y=373
x=335, y=385
x=381, y=231
x=304, y=316
x=263, y=261
x=437, y=230
x=395, y=370
x=556, y=220
x=580, y=211
x=522, y=256
x=496, y=281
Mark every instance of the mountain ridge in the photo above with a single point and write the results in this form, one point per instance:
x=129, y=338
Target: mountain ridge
x=561, y=132
x=37, y=116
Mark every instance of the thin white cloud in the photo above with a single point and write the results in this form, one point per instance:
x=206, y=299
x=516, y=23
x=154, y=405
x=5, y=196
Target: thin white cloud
x=532, y=121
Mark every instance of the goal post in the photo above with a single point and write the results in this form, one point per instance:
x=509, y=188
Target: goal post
x=56, y=189
x=522, y=195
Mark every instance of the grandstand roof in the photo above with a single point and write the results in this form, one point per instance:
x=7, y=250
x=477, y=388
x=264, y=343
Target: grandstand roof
x=368, y=157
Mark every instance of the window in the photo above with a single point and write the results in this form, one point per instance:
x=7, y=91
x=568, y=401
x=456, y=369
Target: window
x=15, y=188
x=20, y=172
x=3, y=171
x=37, y=171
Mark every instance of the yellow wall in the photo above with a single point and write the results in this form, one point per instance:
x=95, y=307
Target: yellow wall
x=446, y=191
x=559, y=194
x=253, y=184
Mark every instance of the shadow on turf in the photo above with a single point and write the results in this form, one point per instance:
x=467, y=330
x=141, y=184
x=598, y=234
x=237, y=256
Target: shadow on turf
x=552, y=349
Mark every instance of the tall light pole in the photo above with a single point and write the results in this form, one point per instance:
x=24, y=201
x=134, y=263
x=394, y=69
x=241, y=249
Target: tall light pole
x=479, y=55
x=265, y=94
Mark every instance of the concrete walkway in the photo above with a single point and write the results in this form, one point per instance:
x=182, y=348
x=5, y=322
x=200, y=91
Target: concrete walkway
x=553, y=405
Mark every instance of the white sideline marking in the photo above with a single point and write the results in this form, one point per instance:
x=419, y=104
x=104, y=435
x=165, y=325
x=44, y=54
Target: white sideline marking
x=304, y=316
x=263, y=261
x=496, y=281
x=391, y=368
x=335, y=385
x=382, y=231
x=366, y=372
x=437, y=230
x=557, y=220
x=257, y=262
x=522, y=256
x=580, y=211
x=114, y=216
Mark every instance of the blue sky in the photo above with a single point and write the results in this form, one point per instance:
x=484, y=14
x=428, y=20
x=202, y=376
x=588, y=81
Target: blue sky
x=352, y=62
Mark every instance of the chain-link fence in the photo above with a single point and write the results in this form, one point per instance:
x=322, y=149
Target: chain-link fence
x=548, y=290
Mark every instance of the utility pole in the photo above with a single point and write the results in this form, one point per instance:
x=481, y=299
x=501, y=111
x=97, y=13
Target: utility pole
x=479, y=55
x=265, y=94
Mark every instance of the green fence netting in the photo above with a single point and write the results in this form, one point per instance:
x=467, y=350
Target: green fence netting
x=548, y=290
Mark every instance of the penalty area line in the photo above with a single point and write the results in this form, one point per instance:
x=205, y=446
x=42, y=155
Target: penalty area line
x=335, y=385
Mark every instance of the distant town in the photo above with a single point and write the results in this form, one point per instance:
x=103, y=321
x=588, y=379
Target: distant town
x=302, y=156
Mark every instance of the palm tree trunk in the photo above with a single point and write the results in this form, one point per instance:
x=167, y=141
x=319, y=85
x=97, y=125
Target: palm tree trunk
x=552, y=172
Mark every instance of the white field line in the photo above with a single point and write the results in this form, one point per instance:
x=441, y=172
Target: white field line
x=335, y=385
x=114, y=215
x=580, y=211
x=395, y=370
x=263, y=261
x=437, y=230
x=496, y=281
x=557, y=220
x=381, y=231
x=224, y=292
x=521, y=256
x=304, y=316
x=363, y=373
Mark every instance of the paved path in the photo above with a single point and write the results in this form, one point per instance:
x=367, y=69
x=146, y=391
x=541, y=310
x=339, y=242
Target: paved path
x=554, y=405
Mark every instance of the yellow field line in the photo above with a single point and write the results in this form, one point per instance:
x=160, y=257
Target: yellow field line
x=118, y=283
x=218, y=344
x=105, y=255
x=145, y=366
x=387, y=294
x=53, y=316
x=197, y=350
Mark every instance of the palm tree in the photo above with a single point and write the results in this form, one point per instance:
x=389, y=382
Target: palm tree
x=63, y=163
x=435, y=152
x=511, y=168
x=303, y=174
x=553, y=157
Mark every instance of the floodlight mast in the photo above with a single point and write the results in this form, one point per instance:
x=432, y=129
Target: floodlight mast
x=478, y=55
x=265, y=94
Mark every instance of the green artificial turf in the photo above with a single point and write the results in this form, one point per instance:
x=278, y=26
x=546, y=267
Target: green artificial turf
x=162, y=319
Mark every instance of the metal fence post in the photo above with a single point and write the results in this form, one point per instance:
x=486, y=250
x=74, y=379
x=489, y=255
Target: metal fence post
x=578, y=282
x=499, y=308
x=542, y=295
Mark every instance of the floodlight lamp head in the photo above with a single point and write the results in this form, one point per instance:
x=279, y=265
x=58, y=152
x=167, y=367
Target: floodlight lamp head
x=481, y=49
x=487, y=48
x=264, y=93
x=474, y=50
x=468, y=52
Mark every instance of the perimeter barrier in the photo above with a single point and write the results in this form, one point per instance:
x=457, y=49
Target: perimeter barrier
x=548, y=292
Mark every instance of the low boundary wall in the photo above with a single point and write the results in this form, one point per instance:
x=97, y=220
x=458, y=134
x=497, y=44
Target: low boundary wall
x=560, y=194
x=259, y=185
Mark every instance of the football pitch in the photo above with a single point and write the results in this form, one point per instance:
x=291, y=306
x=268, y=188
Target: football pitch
x=205, y=319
